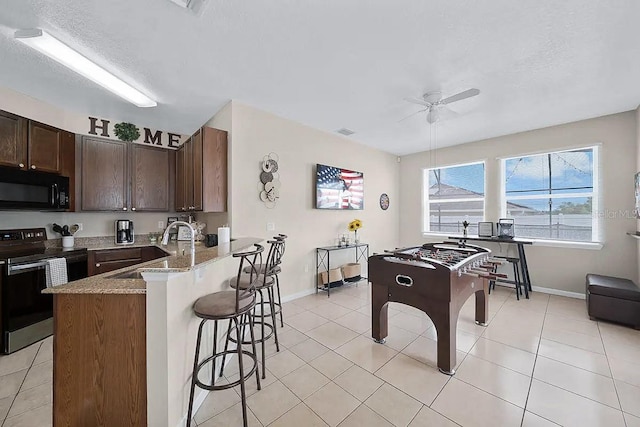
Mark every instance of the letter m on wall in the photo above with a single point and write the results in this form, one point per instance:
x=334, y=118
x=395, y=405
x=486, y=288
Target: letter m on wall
x=154, y=138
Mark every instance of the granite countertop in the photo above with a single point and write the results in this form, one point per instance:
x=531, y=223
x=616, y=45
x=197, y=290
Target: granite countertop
x=178, y=260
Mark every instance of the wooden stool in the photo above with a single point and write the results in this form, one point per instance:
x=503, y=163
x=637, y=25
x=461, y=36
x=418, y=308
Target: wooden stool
x=234, y=306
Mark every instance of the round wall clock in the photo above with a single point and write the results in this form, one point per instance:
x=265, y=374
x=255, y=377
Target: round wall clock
x=384, y=201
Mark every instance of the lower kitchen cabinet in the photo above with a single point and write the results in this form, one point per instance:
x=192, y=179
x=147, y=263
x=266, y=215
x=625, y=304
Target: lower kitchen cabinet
x=99, y=360
x=103, y=261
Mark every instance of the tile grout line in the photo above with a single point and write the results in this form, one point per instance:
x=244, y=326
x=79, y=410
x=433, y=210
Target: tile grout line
x=21, y=384
x=535, y=361
x=615, y=387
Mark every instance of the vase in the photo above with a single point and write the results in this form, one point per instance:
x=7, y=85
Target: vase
x=356, y=239
x=67, y=241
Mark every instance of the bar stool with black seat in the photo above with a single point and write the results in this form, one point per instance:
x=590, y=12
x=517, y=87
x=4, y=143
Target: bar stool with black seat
x=265, y=283
x=234, y=306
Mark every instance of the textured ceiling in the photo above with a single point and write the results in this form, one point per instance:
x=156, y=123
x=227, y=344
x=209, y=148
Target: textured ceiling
x=340, y=63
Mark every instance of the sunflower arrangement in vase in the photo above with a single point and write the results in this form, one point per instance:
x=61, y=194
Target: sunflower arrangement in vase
x=354, y=226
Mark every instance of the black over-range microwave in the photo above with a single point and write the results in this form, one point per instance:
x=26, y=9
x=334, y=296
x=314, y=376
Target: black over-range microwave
x=33, y=190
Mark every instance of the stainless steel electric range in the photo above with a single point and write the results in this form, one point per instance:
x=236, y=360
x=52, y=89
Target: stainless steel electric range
x=26, y=313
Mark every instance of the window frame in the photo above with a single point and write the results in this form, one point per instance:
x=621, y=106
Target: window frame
x=596, y=221
x=426, y=211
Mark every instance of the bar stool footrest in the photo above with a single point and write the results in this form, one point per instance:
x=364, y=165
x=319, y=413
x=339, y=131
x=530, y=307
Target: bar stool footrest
x=278, y=309
x=269, y=326
x=231, y=384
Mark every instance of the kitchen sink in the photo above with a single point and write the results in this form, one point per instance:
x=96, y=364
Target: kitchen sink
x=133, y=274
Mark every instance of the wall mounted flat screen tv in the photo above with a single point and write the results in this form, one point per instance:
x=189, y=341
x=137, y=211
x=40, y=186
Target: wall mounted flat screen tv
x=338, y=188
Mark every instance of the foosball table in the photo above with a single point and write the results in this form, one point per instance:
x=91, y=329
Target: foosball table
x=436, y=278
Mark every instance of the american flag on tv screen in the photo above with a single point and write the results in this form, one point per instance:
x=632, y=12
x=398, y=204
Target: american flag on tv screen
x=339, y=188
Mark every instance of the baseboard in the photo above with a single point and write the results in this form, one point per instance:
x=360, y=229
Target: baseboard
x=550, y=291
x=301, y=294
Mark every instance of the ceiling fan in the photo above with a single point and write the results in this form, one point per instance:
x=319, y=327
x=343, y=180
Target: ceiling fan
x=436, y=105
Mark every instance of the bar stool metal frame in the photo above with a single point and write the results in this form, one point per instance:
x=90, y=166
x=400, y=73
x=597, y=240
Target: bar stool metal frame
x=245, y=301
x=266, y=283
x=516, y=277
x=276, y=271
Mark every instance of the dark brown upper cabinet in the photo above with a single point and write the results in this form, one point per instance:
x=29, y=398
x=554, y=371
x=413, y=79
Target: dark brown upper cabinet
x=119, y=176
x=149, y=178
x=13, y=140
x=201, y=172
x=45, y=147
x=30, y=145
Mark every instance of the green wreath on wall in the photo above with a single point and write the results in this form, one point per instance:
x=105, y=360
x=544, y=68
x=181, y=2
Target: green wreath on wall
x=127, y=132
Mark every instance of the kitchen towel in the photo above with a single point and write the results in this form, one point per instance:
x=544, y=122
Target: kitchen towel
x=56, y=272
x=224, y=235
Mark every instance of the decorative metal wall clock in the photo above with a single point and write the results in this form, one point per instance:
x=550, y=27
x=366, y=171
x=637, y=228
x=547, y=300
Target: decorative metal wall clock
x=384, y=201
x=269, y=185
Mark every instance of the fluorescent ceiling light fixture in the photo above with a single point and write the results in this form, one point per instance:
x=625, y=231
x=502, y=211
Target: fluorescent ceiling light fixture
x=47, y=44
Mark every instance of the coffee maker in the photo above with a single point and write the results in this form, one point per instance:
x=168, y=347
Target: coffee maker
x=124, y=232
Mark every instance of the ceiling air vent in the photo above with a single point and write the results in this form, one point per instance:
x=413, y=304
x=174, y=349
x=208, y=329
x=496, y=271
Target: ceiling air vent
x=345, y=132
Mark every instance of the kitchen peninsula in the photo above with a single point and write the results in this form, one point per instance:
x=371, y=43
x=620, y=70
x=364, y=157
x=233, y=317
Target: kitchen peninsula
x=124, y=340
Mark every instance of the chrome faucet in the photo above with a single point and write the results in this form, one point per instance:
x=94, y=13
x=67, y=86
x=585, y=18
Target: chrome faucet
x=192, y=233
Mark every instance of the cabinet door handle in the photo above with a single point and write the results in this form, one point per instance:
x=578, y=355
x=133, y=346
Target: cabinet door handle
x=33, y=166
x=133, y=209
x=97, y=265
x=21, y=165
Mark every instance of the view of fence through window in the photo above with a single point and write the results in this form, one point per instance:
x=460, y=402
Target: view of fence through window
x=551, y=195
x=455, y=194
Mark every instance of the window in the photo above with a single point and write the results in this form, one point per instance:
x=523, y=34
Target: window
x=552, y=196
x=452, y=195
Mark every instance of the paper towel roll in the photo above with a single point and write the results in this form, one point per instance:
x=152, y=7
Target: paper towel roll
x=224, y=235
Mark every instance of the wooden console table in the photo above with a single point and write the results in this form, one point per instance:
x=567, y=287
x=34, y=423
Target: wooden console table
x=323, y=258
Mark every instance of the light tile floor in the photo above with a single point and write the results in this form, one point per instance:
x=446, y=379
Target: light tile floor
x=540, y=362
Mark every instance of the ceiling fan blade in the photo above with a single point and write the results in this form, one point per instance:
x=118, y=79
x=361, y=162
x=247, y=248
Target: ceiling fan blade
x=411, y=115
x=460, y=96
x=418, y=101
x=447, y=113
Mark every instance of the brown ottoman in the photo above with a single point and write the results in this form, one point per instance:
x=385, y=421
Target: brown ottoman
x=613, y=299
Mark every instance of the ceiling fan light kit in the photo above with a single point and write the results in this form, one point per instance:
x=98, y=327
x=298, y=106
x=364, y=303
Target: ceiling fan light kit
x=48, y=45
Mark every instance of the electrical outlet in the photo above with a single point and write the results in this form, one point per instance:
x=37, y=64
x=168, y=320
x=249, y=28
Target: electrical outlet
x=271, y=226
x=161, y=225
x=80, y=226
x=306, y=268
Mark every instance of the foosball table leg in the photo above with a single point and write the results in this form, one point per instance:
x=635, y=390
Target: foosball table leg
x=379, y=313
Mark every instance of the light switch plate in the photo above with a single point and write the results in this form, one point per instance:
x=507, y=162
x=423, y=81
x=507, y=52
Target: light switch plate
x=271, y=226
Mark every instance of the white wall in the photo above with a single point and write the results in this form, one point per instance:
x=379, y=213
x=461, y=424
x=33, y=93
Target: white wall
x=558, y=268
x=256, y=133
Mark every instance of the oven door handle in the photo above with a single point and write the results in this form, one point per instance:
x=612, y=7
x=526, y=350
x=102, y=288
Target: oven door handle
x=16, y=269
